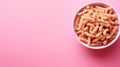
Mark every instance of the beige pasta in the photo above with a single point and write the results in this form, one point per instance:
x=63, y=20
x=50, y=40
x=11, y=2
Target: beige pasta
x=89, y=41
x=76, y=23
x=99, y=7
x=113, y=31
x=86, y=28
x=101, y=28
x=113, y=36
x=107, y=25
x=103, y=38
x=96, y=25
x=91, y=29
x=112, y=22
x=80, y=24
x=105, y=31
x=98, y=34
x=95, y=29
x=108, y=15
x=84, y=11
x=103, y=18
x=98, y=38
x=79, y=32
x=96, y=44
x=109, y=9
x=105, y=42
x=83, y=39
x=110, y=12
x=89, y=35
x=103, y=21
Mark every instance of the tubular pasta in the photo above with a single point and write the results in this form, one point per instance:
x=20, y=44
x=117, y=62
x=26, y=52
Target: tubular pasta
x=96, y=25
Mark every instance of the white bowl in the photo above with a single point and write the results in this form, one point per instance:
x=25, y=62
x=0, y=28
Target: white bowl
x=98, y=47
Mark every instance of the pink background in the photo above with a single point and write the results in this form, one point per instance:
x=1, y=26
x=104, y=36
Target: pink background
x=38, y=33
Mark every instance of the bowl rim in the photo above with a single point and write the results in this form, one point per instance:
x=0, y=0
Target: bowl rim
x=99, y=47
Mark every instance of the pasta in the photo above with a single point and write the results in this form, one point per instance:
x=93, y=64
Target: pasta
x=83, y=39
x=89, y=40
x=98, y=34
x=95, y=29
x=96, y=25
x=105, y=31
x=97, y=39
x=89, y=35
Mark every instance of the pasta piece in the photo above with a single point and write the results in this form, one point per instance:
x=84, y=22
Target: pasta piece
x=90, y=11
x=99, y=11
x=105, y=42
x=82, y=33
x=105, y=31
x=108, y=37
x=87, y=7
x=95, y=29
x=103, y=21
x=76, y=23
x=96, y=44
x=112, y=22
x=116, y=23
x=114, y=36
x=89, y=41
x=83, y=39
x=79, y=32
x=86, y=28
x=98, y=38
x=109, y=15
x=103, y=17
x=84, y=11
x=91, y=29
x=108, y=9
x=110, y=12
x=101, y=28
x=103, y=38
x=98, y=34
x=110, y=27
x=107, y=25
x=80, y=24
x=114, y=30
x=87, y=18
x=83, y=25
x=89, y=35
x=99, y=7
x=91, y=26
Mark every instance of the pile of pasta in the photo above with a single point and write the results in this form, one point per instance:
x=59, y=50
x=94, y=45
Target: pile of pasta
x=96, y=25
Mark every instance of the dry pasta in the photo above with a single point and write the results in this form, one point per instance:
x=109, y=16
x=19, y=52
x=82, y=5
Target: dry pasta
x=96, y=25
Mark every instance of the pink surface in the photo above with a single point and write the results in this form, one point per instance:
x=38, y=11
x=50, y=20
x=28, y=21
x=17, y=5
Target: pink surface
x=38, y=33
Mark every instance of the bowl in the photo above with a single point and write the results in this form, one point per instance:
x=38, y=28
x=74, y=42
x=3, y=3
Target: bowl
x=97, y=47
